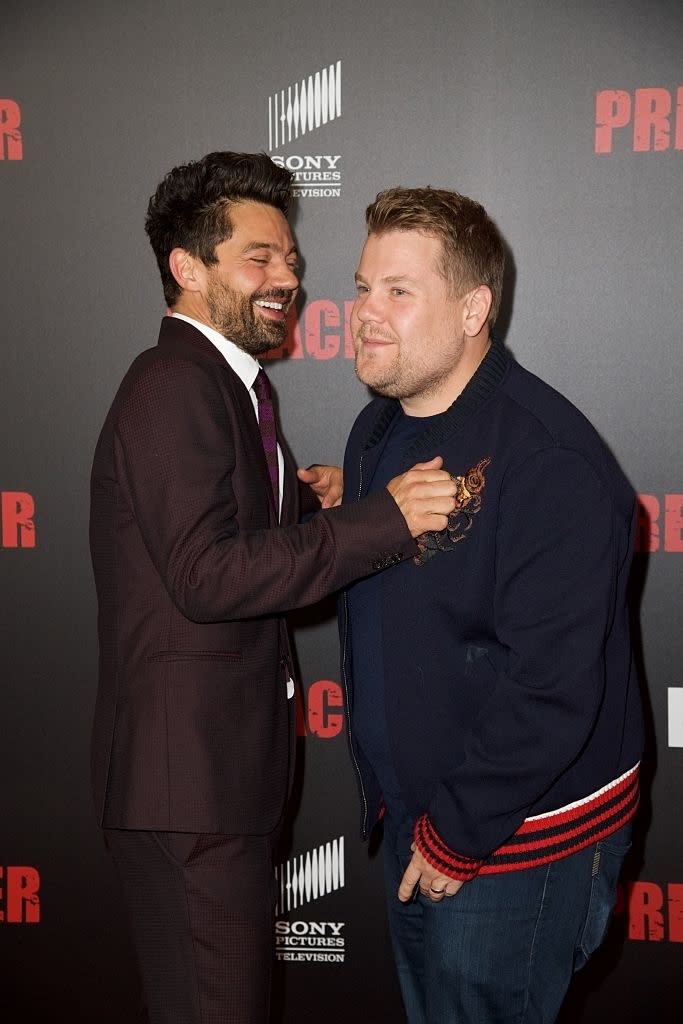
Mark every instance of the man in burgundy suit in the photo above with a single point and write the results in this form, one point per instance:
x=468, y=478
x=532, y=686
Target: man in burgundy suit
x=198, y=552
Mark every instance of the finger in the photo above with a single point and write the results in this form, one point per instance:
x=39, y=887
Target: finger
x=435, y=889
x=410, y=879
x=436, y=500
x=418, y=476
x=307, y=476
x=435, y=463
x=429, y=483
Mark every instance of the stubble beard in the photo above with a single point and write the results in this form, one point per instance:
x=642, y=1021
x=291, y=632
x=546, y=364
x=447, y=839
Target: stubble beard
x=386, y=382
x=232, y=314
x=382, y=380
x=400, y=380
x=393, y=380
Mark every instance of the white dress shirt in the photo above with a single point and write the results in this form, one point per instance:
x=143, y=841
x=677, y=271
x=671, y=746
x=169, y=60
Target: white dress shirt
x=246, y=368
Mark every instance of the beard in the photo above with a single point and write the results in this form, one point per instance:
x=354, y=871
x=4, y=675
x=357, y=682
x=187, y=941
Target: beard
x=384, y=377
x=232, y=314
x=410, y=373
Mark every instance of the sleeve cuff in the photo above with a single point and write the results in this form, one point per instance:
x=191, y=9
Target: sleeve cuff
x=439, y=856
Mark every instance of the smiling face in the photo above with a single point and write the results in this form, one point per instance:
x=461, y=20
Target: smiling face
x=247, y=293
x=409, y=330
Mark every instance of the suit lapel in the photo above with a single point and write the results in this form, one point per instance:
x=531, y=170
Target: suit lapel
x=175, y=332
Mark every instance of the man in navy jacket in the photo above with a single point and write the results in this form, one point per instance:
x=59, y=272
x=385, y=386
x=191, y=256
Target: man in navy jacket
x=493, y=702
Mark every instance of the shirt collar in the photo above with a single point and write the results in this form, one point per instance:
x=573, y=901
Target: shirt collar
x=244, y=364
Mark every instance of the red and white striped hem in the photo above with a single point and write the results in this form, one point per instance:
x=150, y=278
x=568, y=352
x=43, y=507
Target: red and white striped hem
x=543, y=837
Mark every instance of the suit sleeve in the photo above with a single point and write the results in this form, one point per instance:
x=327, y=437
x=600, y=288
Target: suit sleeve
x=176, y=458
x=553, y=602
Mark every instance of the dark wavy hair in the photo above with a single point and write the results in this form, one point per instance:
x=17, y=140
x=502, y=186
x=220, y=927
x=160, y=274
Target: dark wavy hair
x=472, y=249
x=191, y=206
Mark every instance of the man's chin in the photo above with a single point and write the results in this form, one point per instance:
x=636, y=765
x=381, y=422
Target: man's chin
x=257, y=346
x=380, y=385
x=365, y=375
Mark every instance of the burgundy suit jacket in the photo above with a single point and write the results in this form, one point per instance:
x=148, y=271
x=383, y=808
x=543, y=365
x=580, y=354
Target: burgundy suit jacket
x=192, y=730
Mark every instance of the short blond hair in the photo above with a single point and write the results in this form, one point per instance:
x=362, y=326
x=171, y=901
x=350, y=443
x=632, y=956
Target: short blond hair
x=472, y=248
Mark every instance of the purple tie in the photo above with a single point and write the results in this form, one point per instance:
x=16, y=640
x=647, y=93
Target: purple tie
x=266, y=423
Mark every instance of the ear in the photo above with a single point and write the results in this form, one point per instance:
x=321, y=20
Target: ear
x=186, y=269
x=476, y=310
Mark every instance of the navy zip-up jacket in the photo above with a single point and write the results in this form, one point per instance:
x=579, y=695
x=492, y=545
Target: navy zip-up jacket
x=512, y=700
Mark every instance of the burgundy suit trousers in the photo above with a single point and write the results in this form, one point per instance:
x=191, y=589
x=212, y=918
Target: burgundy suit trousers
x=201, y=911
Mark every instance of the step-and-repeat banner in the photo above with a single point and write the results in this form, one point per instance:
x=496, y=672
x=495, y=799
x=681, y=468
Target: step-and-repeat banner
x=566, y=121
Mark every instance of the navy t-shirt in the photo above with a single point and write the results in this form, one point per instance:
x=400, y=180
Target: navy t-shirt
x=365, y=617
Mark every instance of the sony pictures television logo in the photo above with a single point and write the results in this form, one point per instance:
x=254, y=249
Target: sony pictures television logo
x=300, y=881
x=295, y=113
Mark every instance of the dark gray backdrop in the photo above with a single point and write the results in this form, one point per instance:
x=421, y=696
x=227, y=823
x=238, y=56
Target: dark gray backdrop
x=493, y=98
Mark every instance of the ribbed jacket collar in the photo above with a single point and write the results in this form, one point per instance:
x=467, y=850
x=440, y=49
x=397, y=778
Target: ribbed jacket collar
x=483, y=383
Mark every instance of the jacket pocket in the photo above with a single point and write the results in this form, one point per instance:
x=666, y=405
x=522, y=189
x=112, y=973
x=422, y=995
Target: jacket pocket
x=607, y=863
x=231, y=656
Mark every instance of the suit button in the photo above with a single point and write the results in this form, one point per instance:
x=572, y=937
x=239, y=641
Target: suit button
x=386, y=560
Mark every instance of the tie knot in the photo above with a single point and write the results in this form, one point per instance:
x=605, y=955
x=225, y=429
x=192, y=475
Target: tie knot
x=262, y=386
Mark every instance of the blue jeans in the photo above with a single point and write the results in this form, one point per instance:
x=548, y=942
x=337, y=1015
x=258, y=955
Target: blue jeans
x=503, y=949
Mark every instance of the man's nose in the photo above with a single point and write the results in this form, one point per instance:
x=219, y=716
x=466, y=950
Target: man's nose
x=283, y=276
x=367, y=308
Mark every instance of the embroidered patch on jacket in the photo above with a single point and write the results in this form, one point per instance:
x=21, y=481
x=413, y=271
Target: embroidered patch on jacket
x=468, y=501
